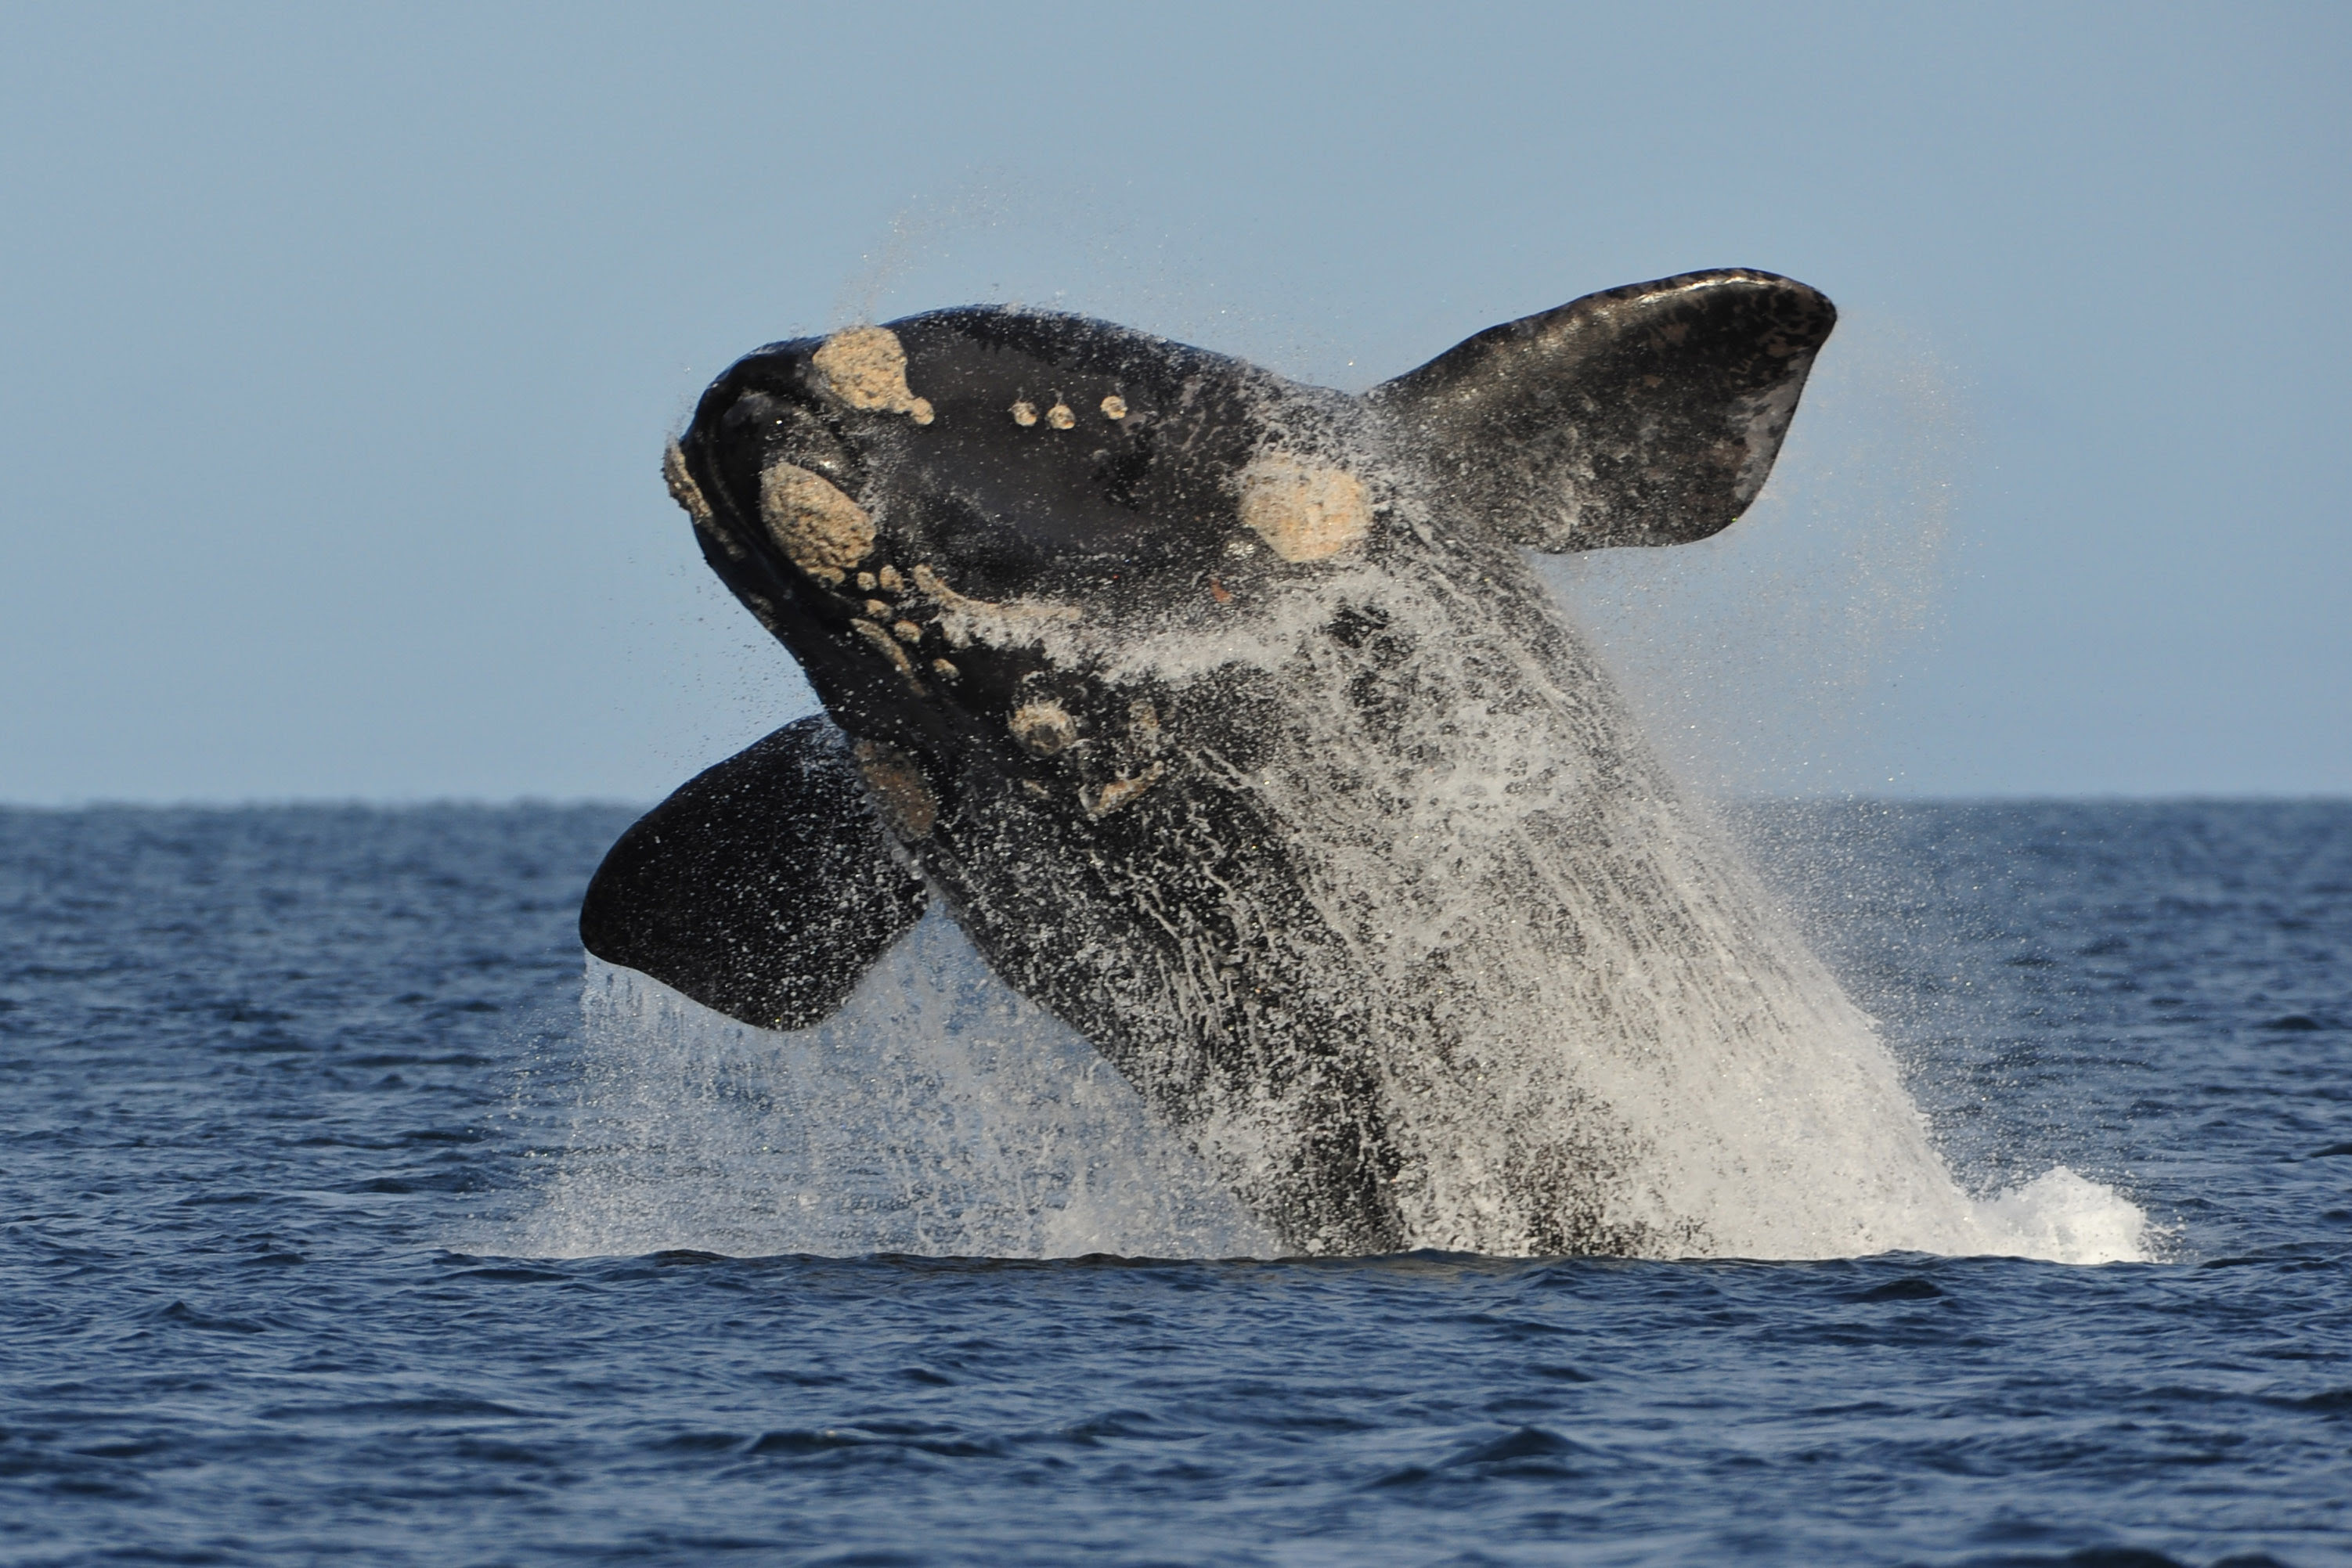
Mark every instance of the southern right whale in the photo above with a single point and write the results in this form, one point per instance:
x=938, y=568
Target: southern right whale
x=1228, y=717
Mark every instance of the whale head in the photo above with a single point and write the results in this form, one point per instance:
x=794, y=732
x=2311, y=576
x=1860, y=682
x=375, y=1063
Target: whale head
x=944, y=516
x=920, y=510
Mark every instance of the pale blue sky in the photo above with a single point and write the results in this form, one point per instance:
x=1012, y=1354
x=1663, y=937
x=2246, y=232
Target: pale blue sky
x=338, y=347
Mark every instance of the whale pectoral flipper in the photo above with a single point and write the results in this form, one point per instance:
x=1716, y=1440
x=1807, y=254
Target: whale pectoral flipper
x=764, y=887
x=1643, y=415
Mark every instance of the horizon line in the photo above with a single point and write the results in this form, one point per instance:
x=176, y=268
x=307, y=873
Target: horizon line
x=1726, y=798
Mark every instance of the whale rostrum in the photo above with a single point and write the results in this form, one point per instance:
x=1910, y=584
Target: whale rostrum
x=1228, y=719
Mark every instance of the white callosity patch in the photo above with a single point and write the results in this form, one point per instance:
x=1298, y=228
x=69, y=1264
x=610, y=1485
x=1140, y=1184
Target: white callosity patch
x=865, y=367
x=1042, y=729
x=682, y=487
x=1118, y=792
x=690, y=497
x=1307, y=511
x=883, y=642
x=1009, y=623
x=937, y=1113
x=819, y=529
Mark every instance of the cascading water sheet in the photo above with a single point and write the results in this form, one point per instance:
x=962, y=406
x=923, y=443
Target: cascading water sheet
x=1594, y=1030
x=1608, y=1018
x=938, y=1113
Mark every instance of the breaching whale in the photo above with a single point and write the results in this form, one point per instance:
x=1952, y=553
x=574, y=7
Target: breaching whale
x=1227, y=717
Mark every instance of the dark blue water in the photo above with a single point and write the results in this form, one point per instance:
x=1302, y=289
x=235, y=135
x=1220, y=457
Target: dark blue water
x=263, y=1073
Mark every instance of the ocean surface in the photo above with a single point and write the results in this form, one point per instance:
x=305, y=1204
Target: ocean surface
x=346, y=1219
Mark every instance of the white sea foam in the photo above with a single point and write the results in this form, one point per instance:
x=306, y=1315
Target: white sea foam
x=939, y=1113
x=2066, y=1218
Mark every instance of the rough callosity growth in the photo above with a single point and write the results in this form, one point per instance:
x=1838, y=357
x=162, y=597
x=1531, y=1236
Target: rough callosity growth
x=821, y=531
x=867, y=368
x=1305, y=511
x=1230, y=723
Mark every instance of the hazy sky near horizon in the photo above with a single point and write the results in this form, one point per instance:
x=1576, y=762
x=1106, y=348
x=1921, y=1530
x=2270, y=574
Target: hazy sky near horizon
x=338, y=345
